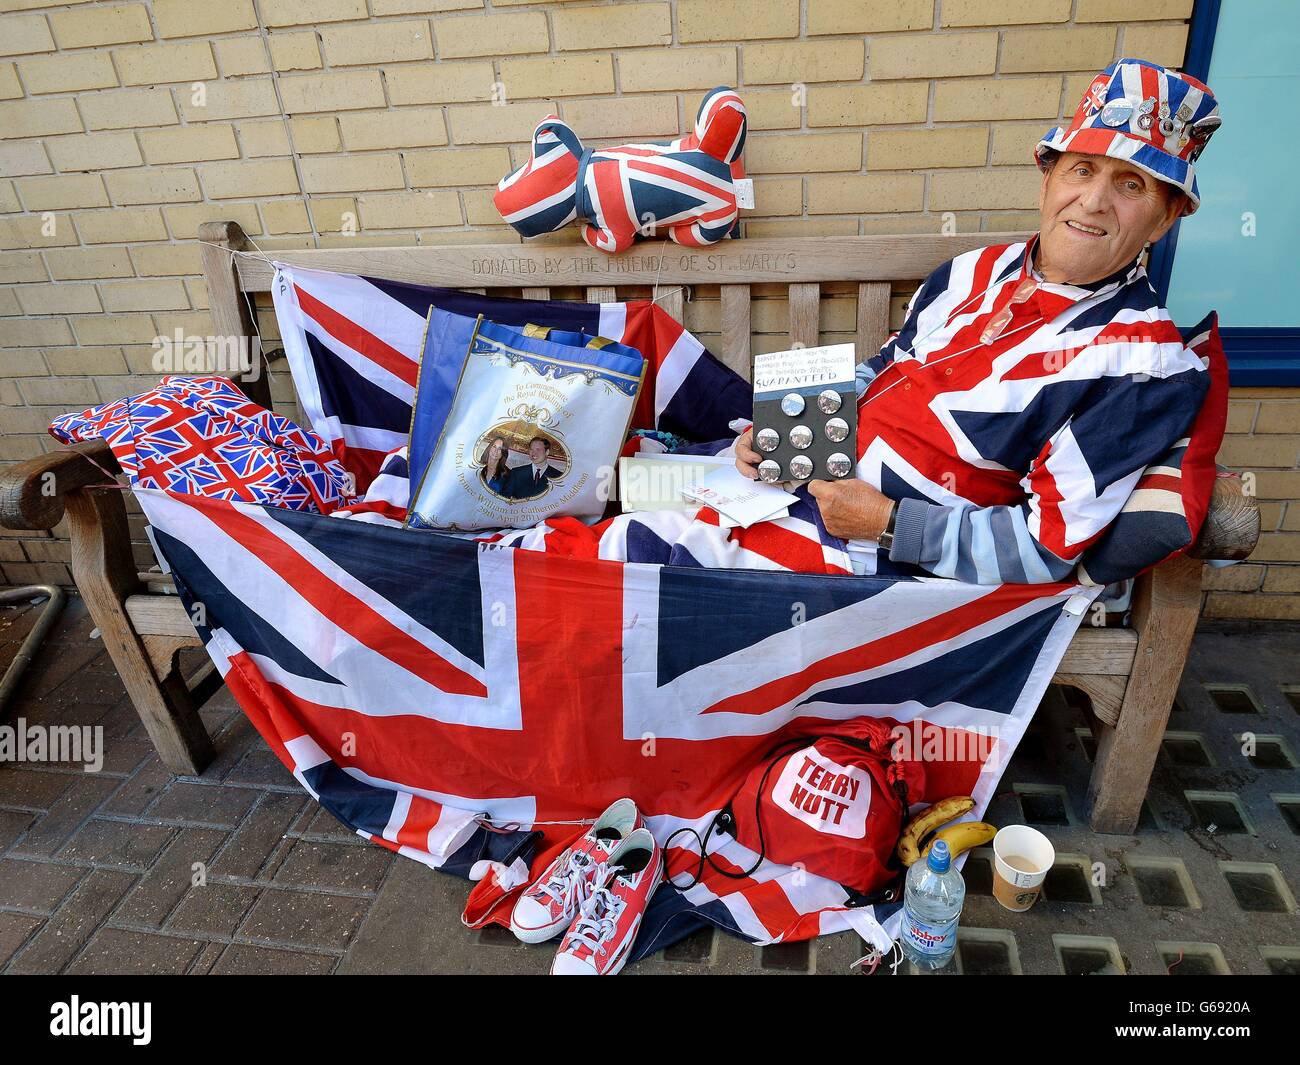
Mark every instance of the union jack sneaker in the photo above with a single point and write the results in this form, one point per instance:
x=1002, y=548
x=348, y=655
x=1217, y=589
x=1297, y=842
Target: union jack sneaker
x=548, y=907
x=600, y=939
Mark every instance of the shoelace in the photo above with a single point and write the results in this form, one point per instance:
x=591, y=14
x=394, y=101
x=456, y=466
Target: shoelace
x=598, y=917
x=572, y=885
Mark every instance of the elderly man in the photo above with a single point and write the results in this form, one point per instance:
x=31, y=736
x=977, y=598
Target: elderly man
x=1002, y=429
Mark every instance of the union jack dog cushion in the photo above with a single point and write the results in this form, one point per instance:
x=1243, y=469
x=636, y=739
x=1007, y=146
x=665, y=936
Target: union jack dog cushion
x=684, y=188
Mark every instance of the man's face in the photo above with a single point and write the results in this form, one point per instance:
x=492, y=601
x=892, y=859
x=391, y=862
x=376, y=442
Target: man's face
x=1096, y=213
x=537, y=451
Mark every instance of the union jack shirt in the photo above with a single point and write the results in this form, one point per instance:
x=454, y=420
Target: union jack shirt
x=1045, y=402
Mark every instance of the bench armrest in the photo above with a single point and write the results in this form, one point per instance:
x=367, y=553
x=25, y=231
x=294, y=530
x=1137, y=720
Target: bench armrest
x=1231, y=528
x=32, y=492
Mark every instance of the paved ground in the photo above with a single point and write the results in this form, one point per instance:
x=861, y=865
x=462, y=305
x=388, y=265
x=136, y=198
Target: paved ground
x=133, y=870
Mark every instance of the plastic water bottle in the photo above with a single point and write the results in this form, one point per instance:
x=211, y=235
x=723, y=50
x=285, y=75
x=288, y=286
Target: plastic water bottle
x=932, y=903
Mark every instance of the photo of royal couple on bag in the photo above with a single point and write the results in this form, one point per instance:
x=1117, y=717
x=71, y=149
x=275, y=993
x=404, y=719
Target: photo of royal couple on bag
x=546, y=462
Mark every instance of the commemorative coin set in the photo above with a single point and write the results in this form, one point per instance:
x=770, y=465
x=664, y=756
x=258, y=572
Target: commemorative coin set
x=805, y=414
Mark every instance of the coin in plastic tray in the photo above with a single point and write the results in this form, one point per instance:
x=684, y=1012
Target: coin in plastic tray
x=801, y=467
x=836, y=429
x=792, y=404
x=767, y=439
x=769, y=471
x=838, y=464
x=801, y=437
x=829, y=401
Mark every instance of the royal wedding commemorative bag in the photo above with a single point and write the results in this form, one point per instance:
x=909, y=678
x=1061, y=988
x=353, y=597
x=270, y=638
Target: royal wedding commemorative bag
x=526, y=423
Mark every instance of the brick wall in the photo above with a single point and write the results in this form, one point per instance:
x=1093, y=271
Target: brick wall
x=317, y=123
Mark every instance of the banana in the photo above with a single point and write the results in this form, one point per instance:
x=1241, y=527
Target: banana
x=962, y=836
x=934, y=815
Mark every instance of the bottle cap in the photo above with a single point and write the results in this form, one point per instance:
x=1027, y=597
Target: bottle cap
x=939, y=859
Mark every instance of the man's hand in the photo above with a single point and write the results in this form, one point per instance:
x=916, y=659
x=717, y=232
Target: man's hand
x=747, y=459
x=850, y=509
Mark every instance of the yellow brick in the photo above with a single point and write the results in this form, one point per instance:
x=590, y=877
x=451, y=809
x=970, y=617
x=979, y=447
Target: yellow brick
x=165, y=260
x=97, y=361
x=623, y=26
x=334, y=213
x=1013, y=143
x=923, y=149
x=492, y=35
x=185, y=18
x=85, y=27
x=38, y=118
x=378, y=44
x=441, y=82
x=268, y=137
x=774, y=109
x=984, y=190
x=62, y=192
x=572, y=75
x=1271, y=484
x=157, y=64
x=486, y=124
x=1280, y=578
x=295, y=51
x=58, y=299
x=23, y=158
x=1069, y=48
x=22, y=266
x=946, y=55
x=457, y=166
x=353, y=174
x=8, y=198
x=224, y=100
x=869, y=16
x=800, y=227
x=803, y=153
x=414, y=127
x=144, y=296
x=479, y=208
x=286, y=216
x=10, y=89
x=26, y=35
x=189, y=144
x=342, y=91
x=868, y=105
x=677, y=68
x=153, y=186
x=311, y=12
x=993, y=98
x=68, y=73
x=34, y=334
x=631, y=116
x=429, y=7
x=736, y=20
x=94, y=151
x=1276, y=451
x=240, y=55
x=120, y=110
x=865, y=193
x=407, y=210
x=1278, y=416
x=1124, y=11
x=315, y=134
x=121, y=225
x=32, y=231
x=1241, y=415
x=1165, y=45
x=82, y=264
x=793, y=64
x=1003, y=12
x=116, y=329
x=777, y=196
x=184, y=222
x=249, y=179
x=1239, y=578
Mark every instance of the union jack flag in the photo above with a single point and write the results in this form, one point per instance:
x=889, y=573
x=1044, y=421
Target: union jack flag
x=431, y=691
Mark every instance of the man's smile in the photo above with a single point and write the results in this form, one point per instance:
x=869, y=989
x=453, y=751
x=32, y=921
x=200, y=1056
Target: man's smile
x=1080, y=227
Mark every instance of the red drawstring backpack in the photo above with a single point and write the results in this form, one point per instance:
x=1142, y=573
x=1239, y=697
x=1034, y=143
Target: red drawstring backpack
x=833, y=805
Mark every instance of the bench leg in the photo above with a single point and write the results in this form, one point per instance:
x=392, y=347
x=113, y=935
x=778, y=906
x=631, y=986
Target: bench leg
x=106, y=575
x=1166, y=606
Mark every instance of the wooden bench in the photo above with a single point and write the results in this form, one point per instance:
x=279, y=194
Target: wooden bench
x=1131, y=675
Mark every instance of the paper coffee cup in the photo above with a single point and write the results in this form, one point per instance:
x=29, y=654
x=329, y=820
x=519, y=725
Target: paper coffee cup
x=1021, y=858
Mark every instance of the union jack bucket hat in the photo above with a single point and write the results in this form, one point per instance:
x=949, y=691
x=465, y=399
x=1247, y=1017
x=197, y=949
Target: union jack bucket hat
x=1155, y=118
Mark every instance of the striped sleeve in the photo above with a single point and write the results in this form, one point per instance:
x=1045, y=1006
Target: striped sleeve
x=1075, y=488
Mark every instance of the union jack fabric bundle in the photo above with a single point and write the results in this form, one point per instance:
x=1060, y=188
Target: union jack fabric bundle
x=424, y=687
x=683, y=190
x=203, y=436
